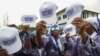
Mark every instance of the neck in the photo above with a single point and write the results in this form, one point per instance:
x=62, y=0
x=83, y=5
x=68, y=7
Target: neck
x=55, y=37
x=25, y=30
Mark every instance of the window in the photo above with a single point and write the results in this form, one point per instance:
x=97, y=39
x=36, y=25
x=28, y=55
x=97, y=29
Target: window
x=93, y=14
x=64, y=16
x=97, y=15
x=59, y=18
x=84, y=15
x=87, y=14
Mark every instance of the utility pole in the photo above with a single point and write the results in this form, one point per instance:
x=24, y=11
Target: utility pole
x=5, y=19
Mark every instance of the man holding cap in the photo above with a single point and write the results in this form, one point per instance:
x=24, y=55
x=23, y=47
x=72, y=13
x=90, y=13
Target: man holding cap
x=84, y=45
x=54, y=45
x=70, y=36
x=24, y=35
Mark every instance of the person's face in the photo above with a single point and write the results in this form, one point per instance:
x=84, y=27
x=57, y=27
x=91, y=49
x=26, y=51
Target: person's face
x=44, y=31
x=26, y=27
x=56, y=33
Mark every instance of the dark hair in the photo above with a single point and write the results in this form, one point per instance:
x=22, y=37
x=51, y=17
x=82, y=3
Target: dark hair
x=13, y=25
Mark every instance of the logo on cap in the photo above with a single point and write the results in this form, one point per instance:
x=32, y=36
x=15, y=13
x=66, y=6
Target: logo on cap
x=69, y=29
x=73, y=10
x=28, y=18
x=47, y=13
x=9, y=41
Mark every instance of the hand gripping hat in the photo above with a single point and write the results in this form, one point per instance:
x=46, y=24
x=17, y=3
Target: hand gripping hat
x=9, y=39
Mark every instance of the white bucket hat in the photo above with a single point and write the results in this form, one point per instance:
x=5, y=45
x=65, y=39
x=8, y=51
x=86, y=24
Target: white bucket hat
x=71, y=29
x=9, y=39
x=94, y=21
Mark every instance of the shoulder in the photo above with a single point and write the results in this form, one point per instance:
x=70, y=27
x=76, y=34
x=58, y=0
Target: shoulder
x=46, y=39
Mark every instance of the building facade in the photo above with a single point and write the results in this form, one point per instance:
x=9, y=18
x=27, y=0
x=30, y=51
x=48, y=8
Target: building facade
x=62, y=19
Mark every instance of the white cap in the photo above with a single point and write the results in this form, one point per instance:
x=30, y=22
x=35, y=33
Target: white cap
x=28, y=19
x=94, y=21
x=48, y=12
x=9, y=39
x=71, y=29
x=74, y=11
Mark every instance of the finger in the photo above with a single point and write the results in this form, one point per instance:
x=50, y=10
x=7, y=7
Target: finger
x=2, y=50
x=4, y=54
x=67, y=34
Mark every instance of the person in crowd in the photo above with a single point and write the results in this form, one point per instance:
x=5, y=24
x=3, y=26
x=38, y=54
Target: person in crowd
x=54, y=45
x=83, y=41
x=3, y=52
x=34, y=47
x=41, y=31
x=93, y=28
x=70, y=37
x=39, y=39
x=83, y=46
x=14, y=29
x=25, y=37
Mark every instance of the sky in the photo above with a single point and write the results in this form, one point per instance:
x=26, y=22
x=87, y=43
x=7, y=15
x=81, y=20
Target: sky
x=15, y=9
